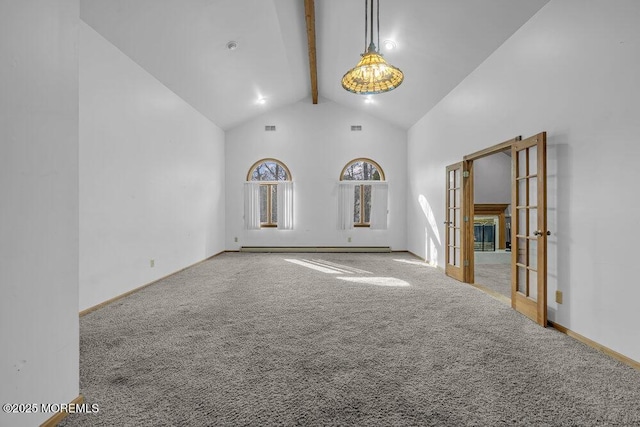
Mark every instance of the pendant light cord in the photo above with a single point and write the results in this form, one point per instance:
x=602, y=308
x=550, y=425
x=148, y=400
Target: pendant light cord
x=378, y=19
x=366, y=24
x=371, y=39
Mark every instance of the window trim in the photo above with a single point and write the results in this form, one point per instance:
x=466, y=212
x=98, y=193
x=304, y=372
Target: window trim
x=269, y=185
x=362, y=159
x=362, y=222
x=265, y=160
x=362, y=184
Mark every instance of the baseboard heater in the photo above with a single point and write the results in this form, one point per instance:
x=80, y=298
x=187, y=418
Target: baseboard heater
x=315, y=249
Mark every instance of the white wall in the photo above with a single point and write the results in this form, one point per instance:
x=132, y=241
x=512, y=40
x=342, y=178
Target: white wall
x=39, y=360
x=151, y=176
x=316, y=142
x=572, y=71
x=492, y=179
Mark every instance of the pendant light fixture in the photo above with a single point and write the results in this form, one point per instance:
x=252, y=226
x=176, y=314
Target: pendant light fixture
x=372, y=74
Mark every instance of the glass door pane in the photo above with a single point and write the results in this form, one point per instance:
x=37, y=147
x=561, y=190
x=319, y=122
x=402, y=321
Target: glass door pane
x=528, y=290
x=454, y=224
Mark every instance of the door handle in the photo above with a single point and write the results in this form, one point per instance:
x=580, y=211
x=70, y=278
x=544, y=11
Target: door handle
x=540, y=233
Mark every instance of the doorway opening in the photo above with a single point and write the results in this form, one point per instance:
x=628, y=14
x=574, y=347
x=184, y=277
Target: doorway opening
x=492, y=224
x=527, y=225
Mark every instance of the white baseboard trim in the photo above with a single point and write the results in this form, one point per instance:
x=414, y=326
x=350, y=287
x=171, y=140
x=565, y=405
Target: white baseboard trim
x=337, y=249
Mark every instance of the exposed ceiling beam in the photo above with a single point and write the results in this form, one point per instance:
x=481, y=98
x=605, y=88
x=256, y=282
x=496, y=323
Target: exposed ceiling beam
x=310, y=15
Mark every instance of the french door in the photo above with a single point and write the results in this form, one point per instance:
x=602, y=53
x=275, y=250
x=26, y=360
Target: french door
x=529, y=228
x=455, y=231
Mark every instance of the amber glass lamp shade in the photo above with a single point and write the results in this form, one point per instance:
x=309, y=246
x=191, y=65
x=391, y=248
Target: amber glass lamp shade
x=372, y=75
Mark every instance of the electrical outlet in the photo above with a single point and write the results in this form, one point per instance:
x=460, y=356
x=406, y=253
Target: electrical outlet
x=152, y=263
x=349, y=239
x=559, y=297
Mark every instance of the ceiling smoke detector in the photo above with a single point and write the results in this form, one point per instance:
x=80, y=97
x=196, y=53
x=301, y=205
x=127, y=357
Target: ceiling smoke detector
x=232, y=45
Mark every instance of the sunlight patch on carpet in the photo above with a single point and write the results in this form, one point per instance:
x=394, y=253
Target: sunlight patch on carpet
x=346, y=268
x=314, y=266
x=377, y=281
x=420, y=263
x=327, y=266
x=321, y=263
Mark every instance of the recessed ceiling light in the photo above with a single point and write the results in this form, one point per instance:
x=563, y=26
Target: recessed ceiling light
x=389, y=44
x=261, y=101
x=232, y=45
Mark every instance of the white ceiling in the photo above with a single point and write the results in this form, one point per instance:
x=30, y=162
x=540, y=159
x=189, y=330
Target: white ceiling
x=183, y=44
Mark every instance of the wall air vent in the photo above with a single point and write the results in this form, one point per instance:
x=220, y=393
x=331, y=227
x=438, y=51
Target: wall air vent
x=270, y=128
x=356, y=128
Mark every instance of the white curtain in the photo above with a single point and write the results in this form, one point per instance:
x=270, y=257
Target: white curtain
x=252, y=205
x=379, y=205
x=345, y=205
x=285, y=205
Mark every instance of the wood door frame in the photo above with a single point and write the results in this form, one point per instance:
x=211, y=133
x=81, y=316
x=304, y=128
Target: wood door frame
x=536, y=309
x=469, y=276
x=468, y=212
x=457, y=272
x=494, y=209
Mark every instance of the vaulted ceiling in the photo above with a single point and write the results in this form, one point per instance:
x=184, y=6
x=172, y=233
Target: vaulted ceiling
x=183, y=43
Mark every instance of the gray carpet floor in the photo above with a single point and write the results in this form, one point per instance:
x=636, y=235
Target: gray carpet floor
x=496, y=277
x=337, y=339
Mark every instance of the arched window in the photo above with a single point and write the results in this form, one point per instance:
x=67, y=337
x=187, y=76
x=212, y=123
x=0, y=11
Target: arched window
x=362, y=170
x=268, y=195
x=363, y=194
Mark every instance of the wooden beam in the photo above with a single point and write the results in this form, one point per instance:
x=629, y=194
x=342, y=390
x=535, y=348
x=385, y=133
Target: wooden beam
x=310, y=15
